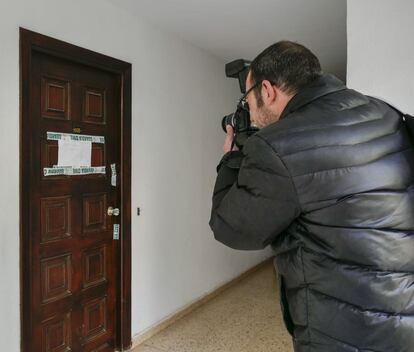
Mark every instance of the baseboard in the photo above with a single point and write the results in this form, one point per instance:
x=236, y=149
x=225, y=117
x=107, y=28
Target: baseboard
x=142, y=337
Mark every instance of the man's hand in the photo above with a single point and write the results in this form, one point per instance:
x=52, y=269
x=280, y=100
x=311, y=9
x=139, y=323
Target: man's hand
x=229, y=140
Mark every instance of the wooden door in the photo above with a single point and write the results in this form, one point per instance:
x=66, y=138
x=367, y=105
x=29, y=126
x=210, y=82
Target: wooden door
x=74, y=270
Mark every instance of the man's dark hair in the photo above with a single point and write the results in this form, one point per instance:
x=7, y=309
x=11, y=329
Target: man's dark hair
x=288, y=65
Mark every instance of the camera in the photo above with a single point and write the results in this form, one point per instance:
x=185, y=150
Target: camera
x=240, y=119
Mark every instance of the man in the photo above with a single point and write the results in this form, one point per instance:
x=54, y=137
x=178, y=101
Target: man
x=328, y=182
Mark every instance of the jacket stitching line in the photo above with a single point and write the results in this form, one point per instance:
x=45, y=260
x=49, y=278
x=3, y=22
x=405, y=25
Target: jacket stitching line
x=363, y=193
x=359, y=308
x=345, y=343
x=266, y=170
x=306, y=292
x=343, y=145
x=367, y=267
x=288, y=171
x=321, y=127
x=388, y=229
x=354, y=166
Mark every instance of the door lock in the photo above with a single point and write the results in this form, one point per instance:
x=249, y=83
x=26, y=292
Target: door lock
x=113, y=211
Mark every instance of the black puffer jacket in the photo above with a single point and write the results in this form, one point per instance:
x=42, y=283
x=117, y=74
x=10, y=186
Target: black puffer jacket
x=331, y=187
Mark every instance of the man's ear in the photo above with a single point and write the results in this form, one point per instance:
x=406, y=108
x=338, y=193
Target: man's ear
x=269, y=92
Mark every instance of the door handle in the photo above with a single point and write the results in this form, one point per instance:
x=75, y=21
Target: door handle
x=113, y=211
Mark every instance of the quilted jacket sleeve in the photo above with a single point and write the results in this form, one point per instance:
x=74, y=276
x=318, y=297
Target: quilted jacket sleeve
x=254, y=197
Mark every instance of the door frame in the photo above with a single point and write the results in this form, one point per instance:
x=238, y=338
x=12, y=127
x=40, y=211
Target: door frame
x=34, y=42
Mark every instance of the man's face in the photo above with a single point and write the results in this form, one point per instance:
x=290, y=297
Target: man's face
x=260, y=114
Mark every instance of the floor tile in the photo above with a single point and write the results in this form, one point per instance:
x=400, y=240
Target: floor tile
x=244, y=318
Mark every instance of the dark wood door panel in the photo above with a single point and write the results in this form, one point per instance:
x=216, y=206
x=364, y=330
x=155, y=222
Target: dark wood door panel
x=75, y=302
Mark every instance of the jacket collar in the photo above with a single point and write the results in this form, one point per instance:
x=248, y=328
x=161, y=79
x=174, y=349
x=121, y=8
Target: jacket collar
x=324, y=85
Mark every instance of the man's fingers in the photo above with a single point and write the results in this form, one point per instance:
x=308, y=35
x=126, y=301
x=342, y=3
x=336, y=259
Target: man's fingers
x=229, y=130
x=229, y=139
x=229, y=135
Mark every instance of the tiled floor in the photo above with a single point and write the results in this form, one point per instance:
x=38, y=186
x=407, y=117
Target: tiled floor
x=244, y=318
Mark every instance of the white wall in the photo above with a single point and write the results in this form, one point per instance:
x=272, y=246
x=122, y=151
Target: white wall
x=179, y=95
x=381, y=51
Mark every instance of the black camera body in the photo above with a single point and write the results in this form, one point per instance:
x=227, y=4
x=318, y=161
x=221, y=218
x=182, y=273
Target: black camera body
x=240, y=119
